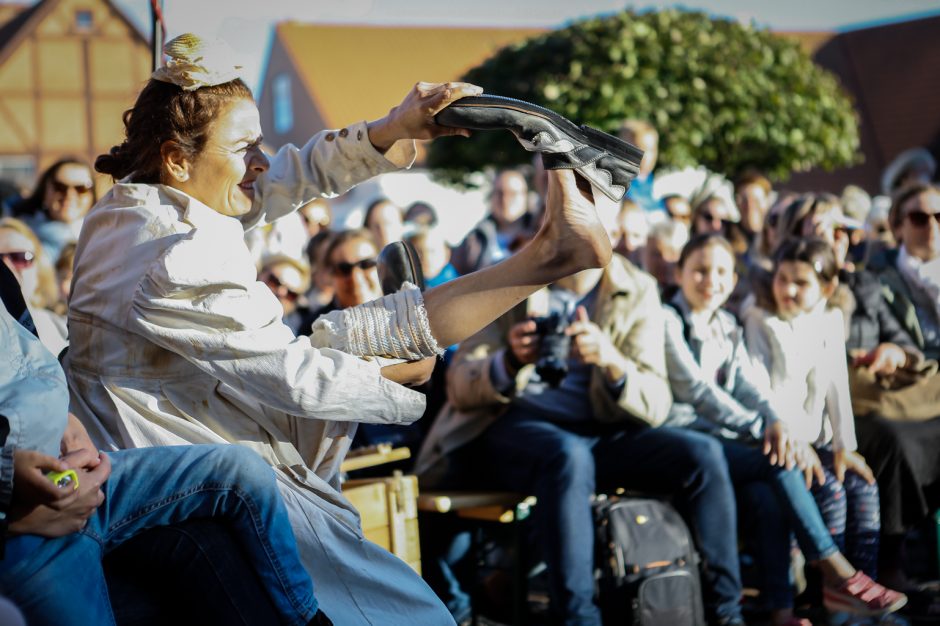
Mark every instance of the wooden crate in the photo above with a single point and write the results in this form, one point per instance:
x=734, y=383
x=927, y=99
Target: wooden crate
x=389, y=510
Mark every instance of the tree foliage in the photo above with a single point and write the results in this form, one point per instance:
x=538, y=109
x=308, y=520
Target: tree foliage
x=722, y=94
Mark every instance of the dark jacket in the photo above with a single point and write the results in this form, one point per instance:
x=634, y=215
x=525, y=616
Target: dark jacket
x=900, y=301
x=872, y=322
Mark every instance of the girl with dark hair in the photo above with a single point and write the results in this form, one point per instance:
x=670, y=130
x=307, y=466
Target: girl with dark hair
x=717, y=390
x=174, y=340
x=801, y=343
x=58, y=204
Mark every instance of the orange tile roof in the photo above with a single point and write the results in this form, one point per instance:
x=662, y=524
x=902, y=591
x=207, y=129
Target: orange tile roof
x=339, y=63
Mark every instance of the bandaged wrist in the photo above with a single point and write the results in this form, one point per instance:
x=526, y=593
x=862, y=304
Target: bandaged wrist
x=395, y=326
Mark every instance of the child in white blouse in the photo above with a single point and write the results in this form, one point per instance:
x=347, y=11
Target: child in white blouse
x=802, y=346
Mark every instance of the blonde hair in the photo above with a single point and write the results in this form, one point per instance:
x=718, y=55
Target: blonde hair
x=630, y=129
x=47, y=293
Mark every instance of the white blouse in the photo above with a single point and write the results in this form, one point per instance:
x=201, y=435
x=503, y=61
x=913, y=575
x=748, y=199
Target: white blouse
x=805, y=360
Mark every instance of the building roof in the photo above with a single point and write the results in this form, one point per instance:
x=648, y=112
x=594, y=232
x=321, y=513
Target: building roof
x=22, y=23
x=383, y=61
x=15, y=28
x=10, y=10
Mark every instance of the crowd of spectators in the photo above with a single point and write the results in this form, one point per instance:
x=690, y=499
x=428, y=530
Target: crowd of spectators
x=768, y=361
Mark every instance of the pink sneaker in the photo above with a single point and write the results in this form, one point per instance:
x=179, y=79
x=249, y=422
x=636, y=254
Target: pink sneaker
x=862, y=596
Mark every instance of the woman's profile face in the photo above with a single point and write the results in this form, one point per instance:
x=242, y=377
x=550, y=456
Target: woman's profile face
x=222, y=176
x=69, y=193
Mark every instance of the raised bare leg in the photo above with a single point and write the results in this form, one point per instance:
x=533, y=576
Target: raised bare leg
x=571, y=239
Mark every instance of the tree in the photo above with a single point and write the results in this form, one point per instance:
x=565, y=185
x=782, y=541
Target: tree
x=722, y=94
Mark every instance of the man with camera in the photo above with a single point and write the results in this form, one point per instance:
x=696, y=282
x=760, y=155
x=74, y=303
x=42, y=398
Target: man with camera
x=561, y=398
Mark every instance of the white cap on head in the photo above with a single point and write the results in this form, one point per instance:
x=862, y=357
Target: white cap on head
x=195, y=62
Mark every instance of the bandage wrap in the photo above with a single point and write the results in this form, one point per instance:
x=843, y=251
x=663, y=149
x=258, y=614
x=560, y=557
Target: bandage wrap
x=395, y=326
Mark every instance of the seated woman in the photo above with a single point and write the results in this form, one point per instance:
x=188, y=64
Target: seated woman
x=58, y=204
x=174, y=341
x=60, y=533
x=23, y=254
x=716, y=390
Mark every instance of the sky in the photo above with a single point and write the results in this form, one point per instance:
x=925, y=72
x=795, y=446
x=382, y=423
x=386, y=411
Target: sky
x=248, y=28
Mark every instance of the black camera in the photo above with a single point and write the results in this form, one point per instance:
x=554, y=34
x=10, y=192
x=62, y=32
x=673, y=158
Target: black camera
x=554, y=344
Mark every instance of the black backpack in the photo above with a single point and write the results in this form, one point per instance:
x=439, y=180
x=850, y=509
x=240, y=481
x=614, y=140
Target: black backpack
x=647, y=566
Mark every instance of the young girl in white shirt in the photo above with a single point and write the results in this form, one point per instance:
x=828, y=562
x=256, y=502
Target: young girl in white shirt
x=802, y=345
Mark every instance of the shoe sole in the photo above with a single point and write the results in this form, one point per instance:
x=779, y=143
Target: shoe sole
x=582, y=134
x=858, y=608
x=395, y=261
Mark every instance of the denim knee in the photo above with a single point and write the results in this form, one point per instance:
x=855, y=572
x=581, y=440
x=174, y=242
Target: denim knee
x=571, y=464
x=708, y=456
x=241, y=466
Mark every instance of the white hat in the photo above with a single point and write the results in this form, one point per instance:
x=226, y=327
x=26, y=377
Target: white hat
x=195, y=62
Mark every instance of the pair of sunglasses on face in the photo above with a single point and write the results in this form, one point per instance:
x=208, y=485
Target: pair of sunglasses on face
x=346, y=269
x=708, y=216
x=19, y=260
x=922, y=218
x=274, y=283
x=63, y=188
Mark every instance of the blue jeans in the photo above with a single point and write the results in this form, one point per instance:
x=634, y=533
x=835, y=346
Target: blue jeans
x=564, y=464
x=61, y=581
x=778, y=502
x=200, y=564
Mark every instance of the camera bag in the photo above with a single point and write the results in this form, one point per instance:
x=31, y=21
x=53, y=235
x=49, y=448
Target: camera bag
x=647, y=568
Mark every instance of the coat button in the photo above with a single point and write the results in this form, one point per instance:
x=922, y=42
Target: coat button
x=330, y=136
x=343, y=132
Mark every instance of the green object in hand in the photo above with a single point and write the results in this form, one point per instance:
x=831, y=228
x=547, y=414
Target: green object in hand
x=68, y=478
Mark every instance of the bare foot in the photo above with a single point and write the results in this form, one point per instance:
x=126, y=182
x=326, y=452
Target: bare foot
x=571, y=238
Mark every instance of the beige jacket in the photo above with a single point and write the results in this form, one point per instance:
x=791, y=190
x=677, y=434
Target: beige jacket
x=628, y=310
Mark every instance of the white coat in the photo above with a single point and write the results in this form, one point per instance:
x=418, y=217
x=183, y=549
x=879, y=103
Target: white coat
x=173, y=341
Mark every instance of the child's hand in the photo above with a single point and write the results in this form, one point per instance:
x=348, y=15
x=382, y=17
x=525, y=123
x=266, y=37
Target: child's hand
x=777, y=446
x=808, y=461
x=843, y=460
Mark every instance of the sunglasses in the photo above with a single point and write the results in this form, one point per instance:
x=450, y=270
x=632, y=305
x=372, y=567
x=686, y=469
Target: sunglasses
x=922, y=218
x=274, y=284
x=346, y=269
x=708, y=216
x=60, y=187
x=19, y=260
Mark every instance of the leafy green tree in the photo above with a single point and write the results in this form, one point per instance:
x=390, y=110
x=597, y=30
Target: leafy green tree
x=722, y=94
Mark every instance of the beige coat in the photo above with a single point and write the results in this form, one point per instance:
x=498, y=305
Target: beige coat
x=174, y=341
x=628, y=310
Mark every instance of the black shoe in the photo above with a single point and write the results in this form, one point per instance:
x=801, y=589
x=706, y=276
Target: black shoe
x=606, y=161
x=398, y=263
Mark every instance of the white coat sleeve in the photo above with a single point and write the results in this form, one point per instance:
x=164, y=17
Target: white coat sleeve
x=206, y=306
x=330, y=163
